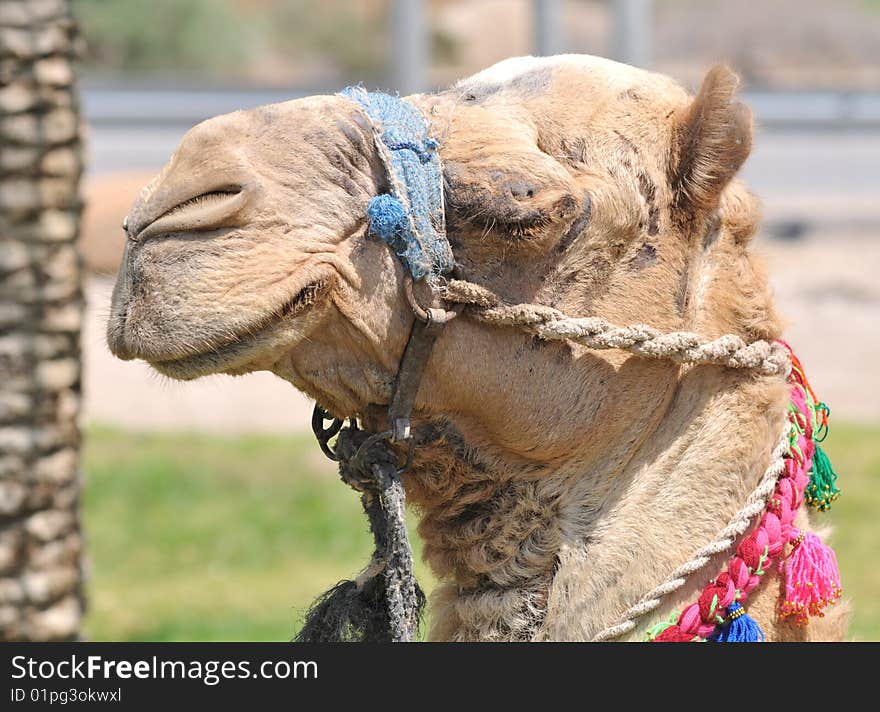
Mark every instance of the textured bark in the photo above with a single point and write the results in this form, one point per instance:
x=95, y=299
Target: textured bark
x=41, y=304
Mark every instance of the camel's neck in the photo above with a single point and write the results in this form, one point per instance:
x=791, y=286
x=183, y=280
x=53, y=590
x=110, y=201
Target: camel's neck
x=557, y=552
x=492, y=537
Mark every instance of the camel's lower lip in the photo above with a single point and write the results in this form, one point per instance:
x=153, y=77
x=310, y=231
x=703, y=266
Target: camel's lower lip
x=242, y=345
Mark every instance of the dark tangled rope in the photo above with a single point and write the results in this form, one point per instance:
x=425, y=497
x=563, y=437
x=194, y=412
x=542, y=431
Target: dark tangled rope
x=384, y=603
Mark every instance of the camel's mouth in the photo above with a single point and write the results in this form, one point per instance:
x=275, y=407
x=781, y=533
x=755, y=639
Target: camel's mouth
x=234, y=353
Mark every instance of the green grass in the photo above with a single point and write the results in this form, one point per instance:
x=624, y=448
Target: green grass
x=855, y=452
x=195, y=537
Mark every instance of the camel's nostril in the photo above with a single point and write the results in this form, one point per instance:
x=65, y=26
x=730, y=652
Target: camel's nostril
x=203, y=199
x=205, y=211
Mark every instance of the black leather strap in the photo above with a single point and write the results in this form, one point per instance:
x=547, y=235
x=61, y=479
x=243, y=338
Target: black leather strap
x=409, y=376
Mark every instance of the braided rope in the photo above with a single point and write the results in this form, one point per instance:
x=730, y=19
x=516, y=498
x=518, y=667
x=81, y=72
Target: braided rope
x=755, y=504
x=769, y=358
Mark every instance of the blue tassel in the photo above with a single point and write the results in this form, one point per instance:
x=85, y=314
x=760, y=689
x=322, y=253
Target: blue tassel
x=739, y=627
x=388, y=219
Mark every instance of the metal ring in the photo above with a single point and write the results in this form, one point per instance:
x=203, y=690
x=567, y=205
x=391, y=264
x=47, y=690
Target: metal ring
x=378, y=437
x=322, y=434
x=433, y=315
x=409, y=456
x=367, y=444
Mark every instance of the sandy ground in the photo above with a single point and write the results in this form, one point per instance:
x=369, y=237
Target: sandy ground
x=826, y=287
x=828, y=292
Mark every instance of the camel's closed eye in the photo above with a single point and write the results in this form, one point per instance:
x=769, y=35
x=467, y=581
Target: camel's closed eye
x=512, y=203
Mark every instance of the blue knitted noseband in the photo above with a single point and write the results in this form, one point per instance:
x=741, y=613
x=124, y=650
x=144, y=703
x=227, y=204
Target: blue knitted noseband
x=410, y=217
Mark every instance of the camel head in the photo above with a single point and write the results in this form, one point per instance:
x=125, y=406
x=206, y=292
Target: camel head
x=571, y=181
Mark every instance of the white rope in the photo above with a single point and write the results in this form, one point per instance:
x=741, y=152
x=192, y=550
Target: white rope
x=681, y=346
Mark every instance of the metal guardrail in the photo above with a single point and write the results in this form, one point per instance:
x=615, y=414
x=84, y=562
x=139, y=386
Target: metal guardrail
x=816, y=109
x=178, y=107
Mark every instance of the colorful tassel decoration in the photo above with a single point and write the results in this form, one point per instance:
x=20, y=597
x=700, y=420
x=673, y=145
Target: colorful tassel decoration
x=739, y=627
x=658, y=628
x=812, y=579
x=822, y=490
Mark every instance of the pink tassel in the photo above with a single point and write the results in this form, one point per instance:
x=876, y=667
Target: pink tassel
x=812, y=579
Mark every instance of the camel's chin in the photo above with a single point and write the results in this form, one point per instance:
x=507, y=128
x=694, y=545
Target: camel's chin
x=253, y=352
x=253, y=349
x=189, y=368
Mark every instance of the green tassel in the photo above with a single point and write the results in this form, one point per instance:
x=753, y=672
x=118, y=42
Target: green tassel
x=822, y=490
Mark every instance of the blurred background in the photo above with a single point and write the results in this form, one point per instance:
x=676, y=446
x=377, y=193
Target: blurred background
x=208, y=511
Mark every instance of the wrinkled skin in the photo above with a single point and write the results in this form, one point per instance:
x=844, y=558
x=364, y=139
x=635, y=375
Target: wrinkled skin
x=556, y=485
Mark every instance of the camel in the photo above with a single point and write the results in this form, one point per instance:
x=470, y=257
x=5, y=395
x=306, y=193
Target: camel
x=555, y=484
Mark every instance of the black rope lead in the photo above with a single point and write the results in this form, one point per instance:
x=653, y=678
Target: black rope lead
x=384, y=603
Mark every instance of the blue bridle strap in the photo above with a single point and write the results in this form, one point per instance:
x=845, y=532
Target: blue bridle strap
x=410, y=216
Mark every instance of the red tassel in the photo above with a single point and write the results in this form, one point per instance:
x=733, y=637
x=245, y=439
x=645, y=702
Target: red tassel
x=812, y=579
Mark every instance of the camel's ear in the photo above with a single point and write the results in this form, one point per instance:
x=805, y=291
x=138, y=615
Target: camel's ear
x=711, y=141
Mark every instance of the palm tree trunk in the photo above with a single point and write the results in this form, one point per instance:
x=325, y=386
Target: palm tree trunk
x=40, y=315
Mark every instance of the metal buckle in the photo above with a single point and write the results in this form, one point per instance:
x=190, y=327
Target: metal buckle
x=400, y=430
